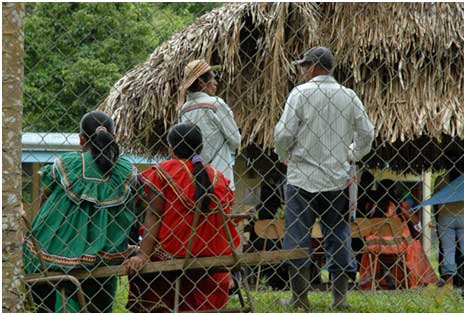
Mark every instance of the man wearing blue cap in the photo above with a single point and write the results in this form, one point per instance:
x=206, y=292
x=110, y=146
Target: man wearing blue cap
x=324, y=127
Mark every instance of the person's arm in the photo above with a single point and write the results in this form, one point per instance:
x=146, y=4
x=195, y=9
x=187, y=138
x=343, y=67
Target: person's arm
x=227, y=124
x=152, y=225
x=408, y=214
x=363, y=133
x=287, y=128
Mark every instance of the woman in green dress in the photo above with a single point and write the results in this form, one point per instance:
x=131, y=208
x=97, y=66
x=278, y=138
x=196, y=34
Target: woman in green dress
x=85, y=217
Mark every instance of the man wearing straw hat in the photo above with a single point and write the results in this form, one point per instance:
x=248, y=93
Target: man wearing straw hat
x=198, y=104
x=324, y=127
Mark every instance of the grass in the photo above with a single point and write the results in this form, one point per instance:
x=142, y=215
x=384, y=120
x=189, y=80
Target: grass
x=426, y=300
x=121, y=296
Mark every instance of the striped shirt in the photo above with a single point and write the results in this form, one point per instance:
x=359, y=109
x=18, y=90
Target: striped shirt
x=220, y=134
x=323, y=127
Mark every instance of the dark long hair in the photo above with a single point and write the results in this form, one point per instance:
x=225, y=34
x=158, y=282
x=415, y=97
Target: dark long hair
x=98, y=129
x=186, y=142
x=388, y=192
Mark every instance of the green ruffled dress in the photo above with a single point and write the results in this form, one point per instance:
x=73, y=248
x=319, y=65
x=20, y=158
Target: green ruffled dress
x=84, y=223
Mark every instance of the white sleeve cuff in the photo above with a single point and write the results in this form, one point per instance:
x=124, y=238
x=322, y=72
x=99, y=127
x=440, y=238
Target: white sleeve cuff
x=351, y=152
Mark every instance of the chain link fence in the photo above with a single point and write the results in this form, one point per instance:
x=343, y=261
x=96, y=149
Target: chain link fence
x=331, y=184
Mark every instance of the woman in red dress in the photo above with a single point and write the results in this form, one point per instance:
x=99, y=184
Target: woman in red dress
x=172, y=188
x=419, y=270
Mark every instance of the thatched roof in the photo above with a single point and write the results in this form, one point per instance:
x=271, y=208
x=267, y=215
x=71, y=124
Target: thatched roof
x=247, y=40
x=405, y=60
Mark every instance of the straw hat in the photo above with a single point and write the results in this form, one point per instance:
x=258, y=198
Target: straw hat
x=192, y=72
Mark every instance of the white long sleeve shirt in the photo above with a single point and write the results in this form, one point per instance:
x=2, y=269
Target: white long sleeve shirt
x=220, y=134
x=324, y=125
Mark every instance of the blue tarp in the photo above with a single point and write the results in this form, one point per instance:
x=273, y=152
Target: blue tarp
x=41, y=147
x=453, y=192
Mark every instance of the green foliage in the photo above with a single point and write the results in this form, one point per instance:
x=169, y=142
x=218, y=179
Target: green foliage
x=75, y=52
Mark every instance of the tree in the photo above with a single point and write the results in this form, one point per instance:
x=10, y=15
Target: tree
x=195, y=9
x=75, y=52
x=12, y=229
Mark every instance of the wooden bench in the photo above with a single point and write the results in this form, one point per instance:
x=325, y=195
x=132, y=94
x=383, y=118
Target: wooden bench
x=245, y=259
x=231, y=263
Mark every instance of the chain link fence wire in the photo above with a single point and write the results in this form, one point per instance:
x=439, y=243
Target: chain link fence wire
x=290, y=187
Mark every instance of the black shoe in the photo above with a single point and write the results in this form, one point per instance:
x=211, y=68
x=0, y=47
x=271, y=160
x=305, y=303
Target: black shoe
x=444, y=280
x=297, y=302
x=299, y=279
x=339, y=290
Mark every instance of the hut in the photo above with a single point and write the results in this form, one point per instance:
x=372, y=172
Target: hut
x=247, y=40
x=405, y=60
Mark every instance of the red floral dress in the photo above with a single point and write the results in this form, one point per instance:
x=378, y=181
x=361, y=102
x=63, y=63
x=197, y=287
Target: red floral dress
x=200, y=289
x=419, y=270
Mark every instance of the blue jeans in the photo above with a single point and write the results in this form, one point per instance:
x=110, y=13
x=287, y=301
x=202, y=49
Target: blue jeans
x=450, y=228
x=302, y=209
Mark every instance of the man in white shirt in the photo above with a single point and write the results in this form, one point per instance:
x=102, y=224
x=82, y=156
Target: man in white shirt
x=221, y=136
x=323, y=128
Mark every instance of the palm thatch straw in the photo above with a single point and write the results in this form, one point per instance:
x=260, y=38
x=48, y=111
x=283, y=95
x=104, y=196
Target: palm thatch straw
x=252, y=42
x=405, y=60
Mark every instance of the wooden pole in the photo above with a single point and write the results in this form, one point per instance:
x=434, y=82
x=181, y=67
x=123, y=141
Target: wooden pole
x=12, y=110
x=426, y=212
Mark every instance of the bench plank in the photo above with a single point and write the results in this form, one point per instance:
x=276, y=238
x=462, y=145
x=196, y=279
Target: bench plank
x=256, y=258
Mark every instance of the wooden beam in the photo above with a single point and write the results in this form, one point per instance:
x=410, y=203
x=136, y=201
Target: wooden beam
x=35, y=191
x=427, y=212
x=256, y=258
